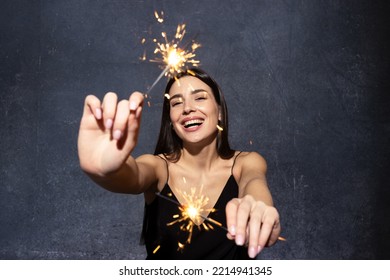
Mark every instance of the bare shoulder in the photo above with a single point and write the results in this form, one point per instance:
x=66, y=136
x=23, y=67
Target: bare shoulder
x=153, y=166
x=155, y=162
x=251, y=175
x=250, y=161
x=149, y=159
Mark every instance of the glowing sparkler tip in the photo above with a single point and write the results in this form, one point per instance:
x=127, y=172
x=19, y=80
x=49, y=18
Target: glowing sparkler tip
x=174, y=58
x=192, y=212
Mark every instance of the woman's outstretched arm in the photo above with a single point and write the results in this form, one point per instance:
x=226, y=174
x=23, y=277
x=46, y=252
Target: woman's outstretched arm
x=251, y=218
x=108, y=134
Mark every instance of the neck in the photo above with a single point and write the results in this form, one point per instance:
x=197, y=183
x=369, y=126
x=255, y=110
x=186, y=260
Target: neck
x=200, y=157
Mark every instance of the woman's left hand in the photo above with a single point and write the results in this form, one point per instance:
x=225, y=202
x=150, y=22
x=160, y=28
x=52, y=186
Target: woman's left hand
x=252, y=223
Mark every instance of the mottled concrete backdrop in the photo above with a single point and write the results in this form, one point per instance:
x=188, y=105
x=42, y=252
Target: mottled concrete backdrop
x=307, y=86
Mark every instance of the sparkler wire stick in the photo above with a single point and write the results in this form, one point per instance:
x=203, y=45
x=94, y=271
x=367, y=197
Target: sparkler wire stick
x=280, y=238
x=158, y=79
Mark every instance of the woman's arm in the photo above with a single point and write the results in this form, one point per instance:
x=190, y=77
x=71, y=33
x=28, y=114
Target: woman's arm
x=108, y=134
x=251, y=218
x=134, y=177
x=253, y=178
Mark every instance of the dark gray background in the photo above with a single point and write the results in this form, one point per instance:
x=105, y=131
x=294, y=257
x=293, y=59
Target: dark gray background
x=306, y=84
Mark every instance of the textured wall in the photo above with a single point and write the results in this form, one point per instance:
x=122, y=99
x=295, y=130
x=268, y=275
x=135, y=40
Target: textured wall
x=306, y=84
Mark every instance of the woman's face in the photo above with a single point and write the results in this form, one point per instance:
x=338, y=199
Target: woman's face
x=194, y=112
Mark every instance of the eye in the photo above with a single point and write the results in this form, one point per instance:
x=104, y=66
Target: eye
x=176, y=102
x=173, y=104
x=201, y=96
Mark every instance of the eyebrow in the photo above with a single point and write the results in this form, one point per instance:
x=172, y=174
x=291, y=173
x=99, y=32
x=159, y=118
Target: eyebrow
x=195, y=91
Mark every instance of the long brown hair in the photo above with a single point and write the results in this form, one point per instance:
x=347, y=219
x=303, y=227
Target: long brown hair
x=169, y=144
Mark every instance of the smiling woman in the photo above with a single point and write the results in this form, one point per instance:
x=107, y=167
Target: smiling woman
x=226, y=207
x=201, y=89
x=194, y=113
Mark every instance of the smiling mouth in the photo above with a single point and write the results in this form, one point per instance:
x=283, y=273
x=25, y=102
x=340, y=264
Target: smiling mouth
x=193, y=123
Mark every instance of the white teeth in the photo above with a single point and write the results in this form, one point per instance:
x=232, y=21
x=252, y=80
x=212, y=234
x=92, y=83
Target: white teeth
x=191, y=122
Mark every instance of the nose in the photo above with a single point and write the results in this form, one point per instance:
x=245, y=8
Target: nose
x=188, y=107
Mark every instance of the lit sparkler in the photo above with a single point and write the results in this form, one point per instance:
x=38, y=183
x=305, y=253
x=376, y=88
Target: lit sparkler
x=171, y=55
x=192, y=214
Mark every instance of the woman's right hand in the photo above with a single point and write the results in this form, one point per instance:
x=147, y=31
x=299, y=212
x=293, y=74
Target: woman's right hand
x=108, y=132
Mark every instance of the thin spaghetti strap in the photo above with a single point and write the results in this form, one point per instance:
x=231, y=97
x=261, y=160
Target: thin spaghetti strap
x=166, y=164
x=231, y=171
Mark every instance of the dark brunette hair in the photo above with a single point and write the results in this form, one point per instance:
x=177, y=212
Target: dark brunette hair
x=169, y=144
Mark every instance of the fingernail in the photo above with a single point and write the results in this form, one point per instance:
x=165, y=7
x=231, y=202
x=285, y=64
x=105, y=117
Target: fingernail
x=108, y=123
x=240, y=240
x=259, y=248
x=117, y=134
x=232, y=230
x=252, y=252
x=133, y=105
x=98, y=113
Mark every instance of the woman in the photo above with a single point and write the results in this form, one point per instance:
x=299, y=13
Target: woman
x=192, y=154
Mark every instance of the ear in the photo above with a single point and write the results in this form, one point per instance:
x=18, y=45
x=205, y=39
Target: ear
x=219, y=113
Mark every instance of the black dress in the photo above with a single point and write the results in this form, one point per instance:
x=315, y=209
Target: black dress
x=161, y=239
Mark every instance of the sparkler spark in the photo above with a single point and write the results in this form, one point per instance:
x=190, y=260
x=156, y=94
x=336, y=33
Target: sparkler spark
x=156, y=249
x=171, y=55
x=160, y=18
x=192, y=213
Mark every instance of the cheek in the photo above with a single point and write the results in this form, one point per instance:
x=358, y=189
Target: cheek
x=173, y=114
x=214, y=112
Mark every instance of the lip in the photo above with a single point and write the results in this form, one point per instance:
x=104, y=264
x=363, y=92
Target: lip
x=191, y=119
x=192, y=128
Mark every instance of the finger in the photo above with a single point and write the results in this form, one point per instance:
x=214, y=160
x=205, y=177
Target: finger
x=109, y=109
x=243, y=212
x=270, y=221
x=274, y=234
x=136, y=100
x=229, y=236
x=254, y=231
x=231, y=216
x=121, y=118
x=138, y=112
x=134, y=121
x=133, y=124
x=92, y=106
